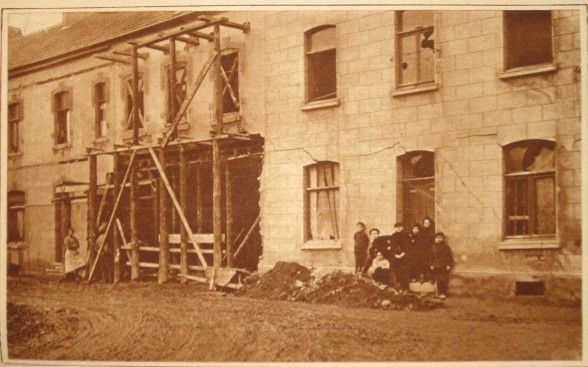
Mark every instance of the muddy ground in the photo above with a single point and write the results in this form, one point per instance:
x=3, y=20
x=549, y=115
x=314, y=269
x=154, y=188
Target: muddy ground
x=173, y=322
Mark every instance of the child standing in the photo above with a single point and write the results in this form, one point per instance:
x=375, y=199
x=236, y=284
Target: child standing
x=361, y=241
x=441, y=264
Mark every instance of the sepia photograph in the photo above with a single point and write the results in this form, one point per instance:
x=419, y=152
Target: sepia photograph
x=279, y=183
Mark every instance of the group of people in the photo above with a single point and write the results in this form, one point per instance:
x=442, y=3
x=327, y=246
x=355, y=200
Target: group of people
x=395, y=260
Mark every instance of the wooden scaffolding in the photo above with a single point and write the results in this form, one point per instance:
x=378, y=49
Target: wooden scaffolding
x=138, y=165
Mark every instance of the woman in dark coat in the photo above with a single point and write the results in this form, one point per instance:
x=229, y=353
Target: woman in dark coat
x=416, y=255
x=427, y=234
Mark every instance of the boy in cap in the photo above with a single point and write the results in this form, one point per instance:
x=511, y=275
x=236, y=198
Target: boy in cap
x=400, y=242
x=441, y=264
x=361, y=242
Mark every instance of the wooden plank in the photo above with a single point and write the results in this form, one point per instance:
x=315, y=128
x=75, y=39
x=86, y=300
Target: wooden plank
x=216, y=158
x=135, y=94
x=116, y=238
x=112, y=215
x=184, y=108
x=153, y=46
x=112, y=59
x=183, y=203
x=196, y=278
x=229, y=215
x=203, y=238
x=163, y=226
x=92, y=197
x=249, y=232
x=102, y=205
x=199, y=200
x=207, y=36
x=176, y=250
x=133, y=209
x=172, y=195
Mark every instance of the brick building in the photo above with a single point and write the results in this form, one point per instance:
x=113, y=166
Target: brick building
x=469, y=117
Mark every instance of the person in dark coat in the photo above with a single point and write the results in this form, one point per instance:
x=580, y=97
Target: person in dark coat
x=400, y=242
x=361, y=242
x=371, y=251
x=414, y=255
x=427, y=234
x=441, y=264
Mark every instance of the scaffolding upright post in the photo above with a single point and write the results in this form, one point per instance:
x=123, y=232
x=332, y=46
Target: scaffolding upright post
x=135, y=91
x=172, y=80
x=229, y=215
x=216, y=159
x=163, y=226
x=115, y=235
x=133, y=221
x=92, y=196
x=183, y=205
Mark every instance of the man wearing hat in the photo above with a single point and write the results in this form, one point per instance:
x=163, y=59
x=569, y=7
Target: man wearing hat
x=441, y=264
x=400, y=241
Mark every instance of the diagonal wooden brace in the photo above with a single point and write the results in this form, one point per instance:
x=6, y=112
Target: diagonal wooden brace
x=188, y=100
x=178, y=208
x=113, y=214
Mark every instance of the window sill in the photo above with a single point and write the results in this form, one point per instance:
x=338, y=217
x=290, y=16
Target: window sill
x=325, y=103
x=529, y=244
x=414, y=90
x=322, y=245
x=181, y=127
x=528, y=70
x=63, y=146
x=128, y=134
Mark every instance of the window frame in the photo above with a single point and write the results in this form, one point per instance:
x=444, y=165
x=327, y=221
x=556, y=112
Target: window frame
x=531, y=69
x=16, y=207
x=308, y=239
x=100, y=107
x=530, y=178
x=229, y=52
x=127, y=125
x=180, y=65
x=14, y=123
x=418, y=86
x=328, y=99
x=56, y=117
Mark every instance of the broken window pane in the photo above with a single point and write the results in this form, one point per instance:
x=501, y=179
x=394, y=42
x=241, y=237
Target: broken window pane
x=411, y=19
x=321, y=64
x=418, y=165
x=427, y=57
x=530, y=188
x=528, y=38
x=322, y=201
x=408, y=60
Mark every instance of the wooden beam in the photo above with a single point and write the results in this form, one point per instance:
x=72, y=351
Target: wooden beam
x=172, y=78
x=111, y=219
x=113, y=59
x=116, y=239
x=133, y=209
x=163, y=227
x=162, y=36
x=92, y=197
x=207, y=36
x=163, y=49
x=216, y=158
x=121, y=233
x=141, y=55
x=245, y=27
x=199, y=199
x=187, y=101
x=249, y=232
x=191, y=41
x=135, y=92
x=229, y=215
x=174, y=200
x=184, y=205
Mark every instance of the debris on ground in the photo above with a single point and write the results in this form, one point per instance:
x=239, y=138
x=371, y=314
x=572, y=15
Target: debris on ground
x=25, y=323
x=294, y=282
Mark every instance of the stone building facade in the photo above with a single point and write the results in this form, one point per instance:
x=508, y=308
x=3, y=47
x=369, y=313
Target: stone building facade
x=469, y=117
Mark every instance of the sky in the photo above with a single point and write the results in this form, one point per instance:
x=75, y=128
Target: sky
x=32, y=22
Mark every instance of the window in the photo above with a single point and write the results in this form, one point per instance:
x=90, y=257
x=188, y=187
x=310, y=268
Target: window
x=321, y=75
x=530, y=188
x=230, y=70
x=181, y=91
x=14, y=118
x=100, y=104
x=527, y=38
x=129, y=103
x=61, y=112
x=321, y=182
x=417, y=174
x=415, y=45
x=16, y=202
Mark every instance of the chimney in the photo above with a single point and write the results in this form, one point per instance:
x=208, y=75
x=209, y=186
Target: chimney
x=69, y=18
x=14, y=32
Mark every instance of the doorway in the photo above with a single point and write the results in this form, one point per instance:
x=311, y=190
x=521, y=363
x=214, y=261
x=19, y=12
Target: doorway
x=417, y=186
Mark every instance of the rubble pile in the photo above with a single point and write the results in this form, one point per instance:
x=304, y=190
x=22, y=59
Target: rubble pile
x=294, y=282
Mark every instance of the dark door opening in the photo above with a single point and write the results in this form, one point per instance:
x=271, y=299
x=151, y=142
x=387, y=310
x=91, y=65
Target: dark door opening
x=417, y=182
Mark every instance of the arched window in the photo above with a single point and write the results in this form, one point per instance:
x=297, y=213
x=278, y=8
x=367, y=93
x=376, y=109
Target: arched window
x=16, y=206
x=529, y=188
x=321, y=74
x=321, y=183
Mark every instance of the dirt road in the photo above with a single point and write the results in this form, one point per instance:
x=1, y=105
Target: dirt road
x=176, y=322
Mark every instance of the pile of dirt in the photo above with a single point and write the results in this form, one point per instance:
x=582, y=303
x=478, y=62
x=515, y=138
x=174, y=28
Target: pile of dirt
x=294, y=282
x=25, y=323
